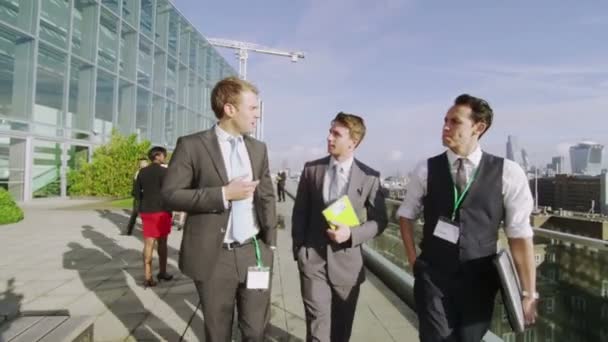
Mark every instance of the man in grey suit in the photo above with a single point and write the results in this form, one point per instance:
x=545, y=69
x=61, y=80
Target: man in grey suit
x=330, y=261
x=221, y=179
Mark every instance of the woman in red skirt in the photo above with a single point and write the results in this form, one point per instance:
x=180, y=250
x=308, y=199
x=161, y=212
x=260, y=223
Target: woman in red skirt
x=156, y=220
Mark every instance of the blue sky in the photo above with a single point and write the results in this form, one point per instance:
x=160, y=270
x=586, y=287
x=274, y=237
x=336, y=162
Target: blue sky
x=542, y=65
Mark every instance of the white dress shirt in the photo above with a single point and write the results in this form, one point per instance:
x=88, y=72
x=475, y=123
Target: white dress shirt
x=517, y=197
x=344, y=168
x=223, y=139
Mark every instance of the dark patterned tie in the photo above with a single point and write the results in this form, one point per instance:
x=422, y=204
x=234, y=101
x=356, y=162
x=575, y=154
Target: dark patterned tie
x=461, y=176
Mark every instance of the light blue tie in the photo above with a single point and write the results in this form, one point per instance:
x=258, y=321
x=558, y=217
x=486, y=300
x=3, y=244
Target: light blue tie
x=242, y=220
x=334, y=184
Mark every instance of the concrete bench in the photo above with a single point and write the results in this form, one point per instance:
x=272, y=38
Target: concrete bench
x=36, y=327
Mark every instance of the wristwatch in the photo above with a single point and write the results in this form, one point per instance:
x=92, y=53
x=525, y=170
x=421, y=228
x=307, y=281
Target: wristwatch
x=533, y=295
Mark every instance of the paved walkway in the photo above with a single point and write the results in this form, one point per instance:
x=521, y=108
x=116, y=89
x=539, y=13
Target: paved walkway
x=66, y=256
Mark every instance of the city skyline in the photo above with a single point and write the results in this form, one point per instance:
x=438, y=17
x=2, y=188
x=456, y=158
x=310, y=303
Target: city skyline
x=400, y=64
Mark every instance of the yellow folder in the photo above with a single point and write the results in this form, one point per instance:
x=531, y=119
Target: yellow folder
x=341, y=211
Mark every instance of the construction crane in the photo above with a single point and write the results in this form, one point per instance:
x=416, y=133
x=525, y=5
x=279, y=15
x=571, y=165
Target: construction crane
x=243, y=49
x=242, y=54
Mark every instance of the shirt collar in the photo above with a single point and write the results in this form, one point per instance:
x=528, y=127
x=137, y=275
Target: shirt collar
x=223, y=135
x=473, y=158
x=346, y=164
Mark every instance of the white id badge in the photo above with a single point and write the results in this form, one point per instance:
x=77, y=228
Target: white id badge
x=447, y=230
x=258, y=277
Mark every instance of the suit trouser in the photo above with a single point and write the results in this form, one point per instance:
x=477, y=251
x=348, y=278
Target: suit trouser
x=133, y=218
x=330, y=309
x=454, y=307
x=226, y=286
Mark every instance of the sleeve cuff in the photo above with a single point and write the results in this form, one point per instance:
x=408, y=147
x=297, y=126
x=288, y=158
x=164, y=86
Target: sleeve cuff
x=519, y=232
x=406, y=213
x=226, y=203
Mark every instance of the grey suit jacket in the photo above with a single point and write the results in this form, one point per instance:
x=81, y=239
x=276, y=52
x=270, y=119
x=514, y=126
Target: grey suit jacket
x=312, y=247
x=193, y=184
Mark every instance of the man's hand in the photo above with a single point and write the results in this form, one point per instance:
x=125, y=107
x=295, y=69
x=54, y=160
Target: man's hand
x=240, y=189
x=340, y=234
x=529, y=306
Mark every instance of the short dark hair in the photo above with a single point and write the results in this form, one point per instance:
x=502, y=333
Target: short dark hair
x=228, y=91
x=156, y=151
x=354, y=123
x=480, y=109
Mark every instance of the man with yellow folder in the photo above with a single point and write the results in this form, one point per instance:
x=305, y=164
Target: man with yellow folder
x=329, y=253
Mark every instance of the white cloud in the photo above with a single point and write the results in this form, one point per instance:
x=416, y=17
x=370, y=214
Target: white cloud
x=395, y=155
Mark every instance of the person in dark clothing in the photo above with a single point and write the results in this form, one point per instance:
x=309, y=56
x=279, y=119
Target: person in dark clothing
x=463, y=195
x=135, y=211
x=281, y=178
x=156, y=219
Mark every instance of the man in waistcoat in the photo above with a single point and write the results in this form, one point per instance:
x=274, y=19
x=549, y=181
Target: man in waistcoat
x=463, y=195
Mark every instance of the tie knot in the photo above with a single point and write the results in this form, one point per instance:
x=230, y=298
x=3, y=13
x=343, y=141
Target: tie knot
x=234, y=141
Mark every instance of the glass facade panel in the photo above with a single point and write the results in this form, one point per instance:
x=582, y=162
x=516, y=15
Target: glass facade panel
x=46, y=178
x=111, y=4
x=50, y=78
x=163, y=13
x=19, y=13
x=144, y=66
x=146, y=18
x=84, y=28
x=126, y=107
x=173, y=32
x=120, y=51
x=54, y=21
x=172, y=79
x=128, y=55
x=7, y=75
x=12, y=165
x=130, y=10
x=170, y=131
x=77, y=157
x=81, y=89
x=108, y=40
x=143, y=113
x=104, y=104
x=192, y=54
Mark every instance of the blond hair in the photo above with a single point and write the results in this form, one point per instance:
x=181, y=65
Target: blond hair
x=228, y=91
x=354, y=123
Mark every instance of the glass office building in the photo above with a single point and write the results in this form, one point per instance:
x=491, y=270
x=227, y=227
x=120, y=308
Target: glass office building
x=71, y=71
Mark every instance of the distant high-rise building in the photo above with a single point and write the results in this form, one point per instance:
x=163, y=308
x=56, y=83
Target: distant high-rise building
x=512, y=147
x=586, y=158
x=557, y=164
x=525, y=162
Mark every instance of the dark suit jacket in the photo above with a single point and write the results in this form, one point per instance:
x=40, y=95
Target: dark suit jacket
x=312, y=247
x=147, y=188
x=194, y=184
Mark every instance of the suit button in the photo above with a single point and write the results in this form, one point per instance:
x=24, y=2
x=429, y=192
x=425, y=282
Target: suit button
x=222, y=230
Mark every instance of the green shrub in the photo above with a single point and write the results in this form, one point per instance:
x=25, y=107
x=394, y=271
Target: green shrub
x=9, y=211
x=112, y=168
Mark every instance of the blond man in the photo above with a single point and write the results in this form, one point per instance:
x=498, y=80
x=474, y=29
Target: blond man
x=330, y=260
x=220, y=178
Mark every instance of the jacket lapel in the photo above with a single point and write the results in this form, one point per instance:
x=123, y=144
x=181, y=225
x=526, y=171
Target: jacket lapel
x=320, y=172
x=209, y=139
x=355, y=183
x=253, y=157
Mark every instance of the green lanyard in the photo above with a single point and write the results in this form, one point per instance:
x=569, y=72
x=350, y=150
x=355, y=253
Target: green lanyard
x=458, y=199
x=258, y=258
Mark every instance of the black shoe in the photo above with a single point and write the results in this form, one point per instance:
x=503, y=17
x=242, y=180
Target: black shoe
x=149, y=283
x=164, y=276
